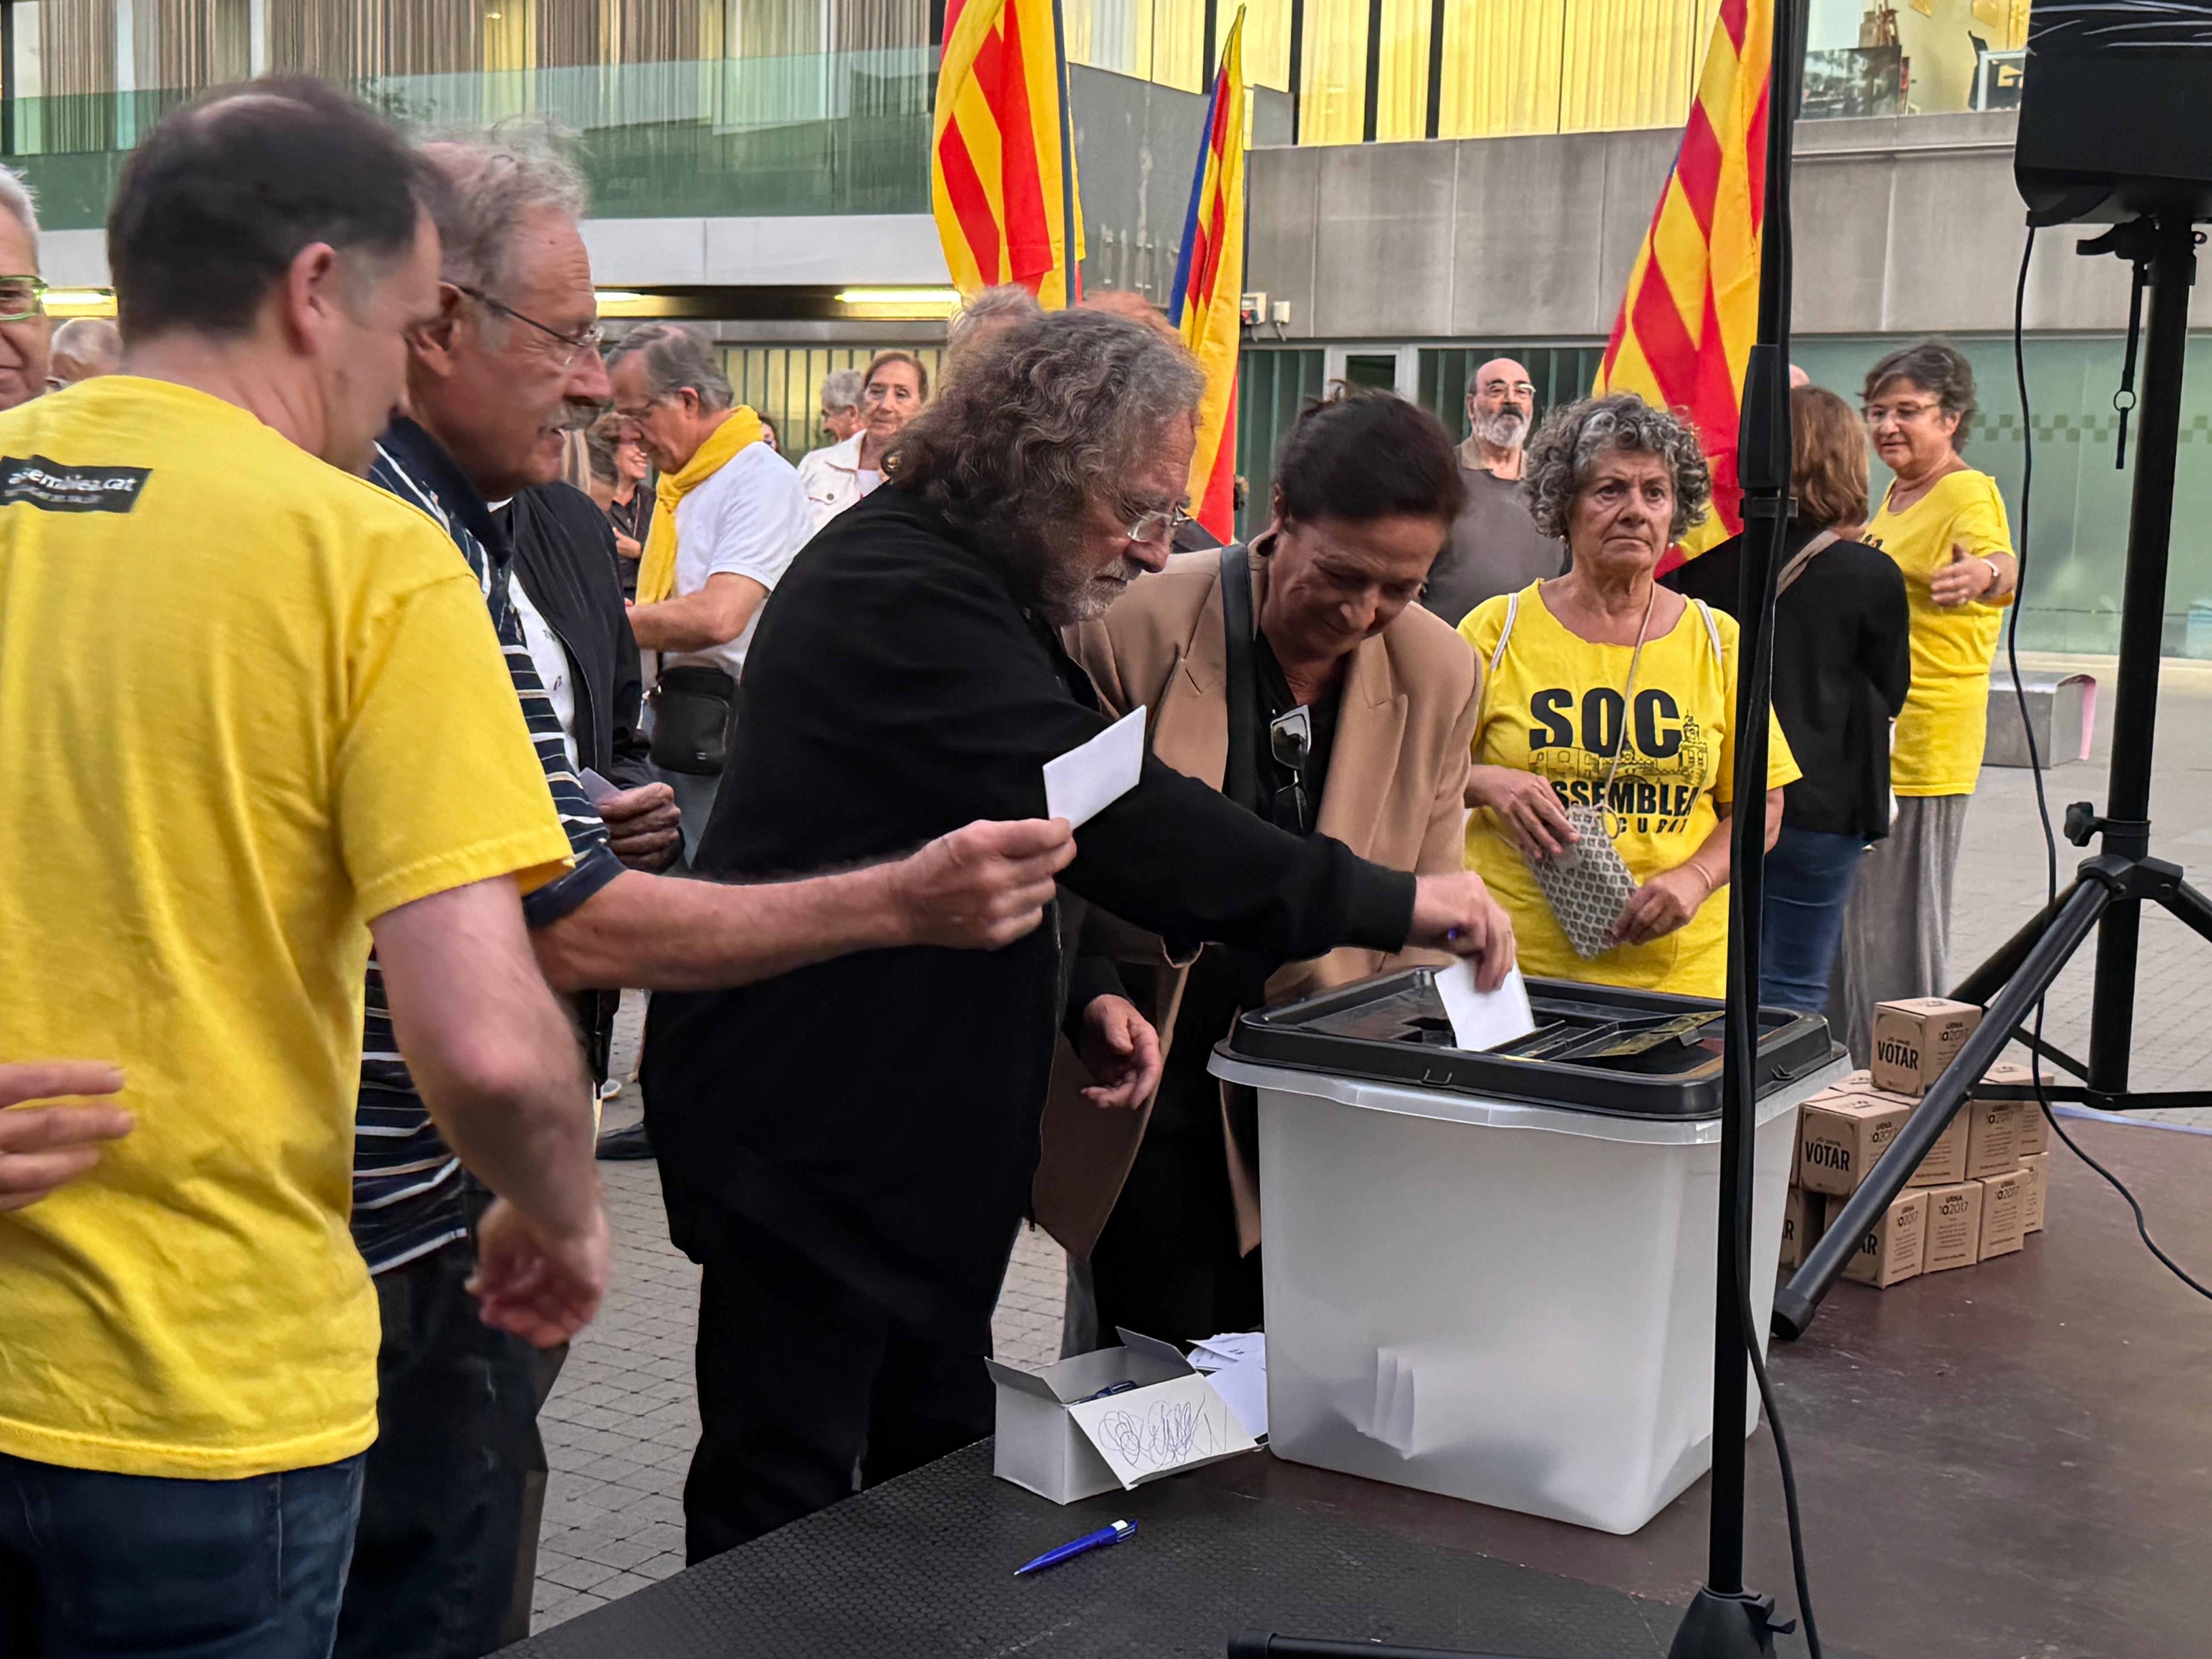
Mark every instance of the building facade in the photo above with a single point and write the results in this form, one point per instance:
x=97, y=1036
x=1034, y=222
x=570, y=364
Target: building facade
x=1432, y=181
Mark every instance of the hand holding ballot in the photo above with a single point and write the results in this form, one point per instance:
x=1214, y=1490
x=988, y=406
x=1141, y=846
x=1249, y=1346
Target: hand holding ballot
x=986, y=885
x=1456, y=913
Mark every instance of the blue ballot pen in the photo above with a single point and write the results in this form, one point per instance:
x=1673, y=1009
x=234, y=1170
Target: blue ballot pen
x=1083, y=1546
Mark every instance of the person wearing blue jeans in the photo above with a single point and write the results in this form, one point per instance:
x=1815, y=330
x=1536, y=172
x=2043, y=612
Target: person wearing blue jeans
x=1841, y=665
x=96, y=1566
x=1810, y=877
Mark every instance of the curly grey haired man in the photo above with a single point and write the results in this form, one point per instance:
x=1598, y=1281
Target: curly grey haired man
x=855, y=1222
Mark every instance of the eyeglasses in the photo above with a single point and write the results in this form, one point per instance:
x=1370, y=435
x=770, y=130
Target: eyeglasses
x=1904, y=414
x=1147, y=527
x=21, y=297
x=585, y=339
x=1500, y=388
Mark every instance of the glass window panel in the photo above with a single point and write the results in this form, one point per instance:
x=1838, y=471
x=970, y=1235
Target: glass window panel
x=1628, y=64
x=1501, y=67
x=1333, y=104
x=1266, y=40
x=1401, y=101
x=1179, y=44
x=1111, y=34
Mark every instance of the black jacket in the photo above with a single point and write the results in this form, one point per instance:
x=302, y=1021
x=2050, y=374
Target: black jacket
x=1843, y=663
x=880, y=1112
x=564, y=554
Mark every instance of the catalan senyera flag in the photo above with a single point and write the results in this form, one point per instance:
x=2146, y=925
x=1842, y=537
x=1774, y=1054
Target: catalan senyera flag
x=1686, y=323
x=1002, y=159
x=1209, y=288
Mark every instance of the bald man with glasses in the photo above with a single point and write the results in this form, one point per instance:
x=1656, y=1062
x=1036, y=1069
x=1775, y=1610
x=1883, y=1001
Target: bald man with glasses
x=1495, y=547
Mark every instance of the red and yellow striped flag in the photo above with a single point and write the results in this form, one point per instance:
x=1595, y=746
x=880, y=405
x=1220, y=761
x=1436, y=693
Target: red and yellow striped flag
x=1209, y=288
x=1001, y=175
x=1686, y=323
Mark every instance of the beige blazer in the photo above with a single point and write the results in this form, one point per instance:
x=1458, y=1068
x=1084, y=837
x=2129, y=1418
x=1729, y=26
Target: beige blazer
x=1396, y=778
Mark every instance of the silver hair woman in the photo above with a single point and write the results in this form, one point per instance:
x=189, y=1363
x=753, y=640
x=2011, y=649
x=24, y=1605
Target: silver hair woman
x=1608, y=692
x=1066, y=450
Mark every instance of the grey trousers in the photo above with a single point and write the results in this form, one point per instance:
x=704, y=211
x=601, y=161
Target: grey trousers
x=1897, y=927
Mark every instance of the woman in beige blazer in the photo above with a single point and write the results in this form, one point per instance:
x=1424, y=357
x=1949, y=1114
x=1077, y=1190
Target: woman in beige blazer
x=1357, y=708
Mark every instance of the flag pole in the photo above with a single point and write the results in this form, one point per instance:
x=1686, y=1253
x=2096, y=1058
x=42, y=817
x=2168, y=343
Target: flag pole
x=1067, y=271
x=1727, y=1620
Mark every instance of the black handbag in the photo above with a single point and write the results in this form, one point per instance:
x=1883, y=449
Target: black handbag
x=692, y=707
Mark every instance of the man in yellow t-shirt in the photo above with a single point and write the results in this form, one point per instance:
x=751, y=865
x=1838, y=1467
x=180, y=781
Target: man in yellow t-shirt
x=263, y=714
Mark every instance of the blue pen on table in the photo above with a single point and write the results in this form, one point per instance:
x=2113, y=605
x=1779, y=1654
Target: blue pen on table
x=1083, y=1546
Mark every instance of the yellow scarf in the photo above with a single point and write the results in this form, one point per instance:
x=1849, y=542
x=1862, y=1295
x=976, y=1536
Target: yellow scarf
x=656, y=570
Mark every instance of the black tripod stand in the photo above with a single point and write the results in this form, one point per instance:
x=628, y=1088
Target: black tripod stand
x=2109, y=891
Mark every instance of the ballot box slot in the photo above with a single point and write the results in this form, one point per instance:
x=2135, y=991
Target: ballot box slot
x=1595, y=1047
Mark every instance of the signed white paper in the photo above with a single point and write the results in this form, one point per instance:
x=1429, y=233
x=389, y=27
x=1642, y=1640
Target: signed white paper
x=1482, y=1020
x=1087, y=779
x=1152, y=1432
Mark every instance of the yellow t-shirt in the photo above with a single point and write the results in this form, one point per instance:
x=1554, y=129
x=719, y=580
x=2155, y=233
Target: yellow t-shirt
x=1946, y=717
x=1553, y=707
x=247, y=704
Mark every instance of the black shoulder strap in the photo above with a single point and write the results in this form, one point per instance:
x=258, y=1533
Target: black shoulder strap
x=1241, y=780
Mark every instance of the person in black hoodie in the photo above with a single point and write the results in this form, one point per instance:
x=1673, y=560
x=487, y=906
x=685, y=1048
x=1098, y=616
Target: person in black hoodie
x=848, y=1149
x=1841, y=665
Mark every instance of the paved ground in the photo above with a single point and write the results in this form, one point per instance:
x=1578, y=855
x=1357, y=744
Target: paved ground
x=619, y=1427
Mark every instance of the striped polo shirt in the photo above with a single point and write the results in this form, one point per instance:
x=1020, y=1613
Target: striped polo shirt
x=411, y=1194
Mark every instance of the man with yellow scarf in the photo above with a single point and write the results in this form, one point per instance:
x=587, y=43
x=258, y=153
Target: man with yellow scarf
x=730, y=514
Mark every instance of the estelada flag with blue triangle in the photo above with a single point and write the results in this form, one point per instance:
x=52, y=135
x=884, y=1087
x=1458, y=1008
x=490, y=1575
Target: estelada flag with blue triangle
x=1684, y=331
x=1206, y=303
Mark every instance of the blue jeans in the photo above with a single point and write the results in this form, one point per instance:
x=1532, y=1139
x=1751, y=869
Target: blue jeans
x=1809, y=879
x=98, y=1566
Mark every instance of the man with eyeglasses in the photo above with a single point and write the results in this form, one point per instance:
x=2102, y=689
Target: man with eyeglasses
x=733, y=515
x=25, y=332
x=848, y=1149
x=1495, y=547
x=442, y=1563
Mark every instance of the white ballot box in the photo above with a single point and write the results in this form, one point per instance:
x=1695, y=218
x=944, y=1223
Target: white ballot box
x=1491, y=1275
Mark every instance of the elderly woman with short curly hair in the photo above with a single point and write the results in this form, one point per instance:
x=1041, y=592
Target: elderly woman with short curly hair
x=1608, y=692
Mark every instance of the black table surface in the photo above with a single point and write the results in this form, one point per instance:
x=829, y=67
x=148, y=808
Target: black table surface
x=2008, y=1461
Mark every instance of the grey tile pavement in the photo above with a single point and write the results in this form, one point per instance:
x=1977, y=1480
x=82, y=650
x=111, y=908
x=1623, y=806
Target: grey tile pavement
x=620, y=1425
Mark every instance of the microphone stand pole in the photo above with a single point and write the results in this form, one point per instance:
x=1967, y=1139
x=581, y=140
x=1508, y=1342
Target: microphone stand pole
x=1727, y=1620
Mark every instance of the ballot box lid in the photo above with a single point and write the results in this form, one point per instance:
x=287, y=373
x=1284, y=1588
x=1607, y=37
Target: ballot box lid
x=1595, y=1047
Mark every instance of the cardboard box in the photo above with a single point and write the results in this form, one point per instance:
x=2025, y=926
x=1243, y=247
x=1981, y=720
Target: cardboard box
x=2034, y=1127
x=1916, y=1038
x=1050, y=1437
x=1993, y=1137
x=1892, y=1250
x=1954, y=1227
x=1842, y=1135
x=1804, y=1219
x=2004, y=1203
x=1945, y=1163
x=2036, y=1166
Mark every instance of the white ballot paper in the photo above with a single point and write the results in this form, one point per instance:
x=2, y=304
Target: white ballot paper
x=1235, y=1362
x=1481, y=1020
x=1090, y=778
x=1147, y=1433
x=596, y=789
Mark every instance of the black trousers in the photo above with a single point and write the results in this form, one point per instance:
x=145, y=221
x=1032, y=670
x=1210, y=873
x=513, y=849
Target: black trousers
x=442, y=1506
x=808, y=1390
x=1166, y=1264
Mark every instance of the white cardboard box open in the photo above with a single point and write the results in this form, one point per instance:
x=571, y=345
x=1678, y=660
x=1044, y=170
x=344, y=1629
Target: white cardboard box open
x=1059, y=1442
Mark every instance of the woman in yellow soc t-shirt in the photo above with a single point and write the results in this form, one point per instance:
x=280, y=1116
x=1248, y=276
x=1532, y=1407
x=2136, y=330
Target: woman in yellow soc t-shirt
x=1945, y=525
x=1621, y=481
